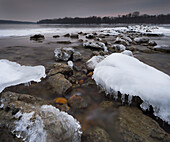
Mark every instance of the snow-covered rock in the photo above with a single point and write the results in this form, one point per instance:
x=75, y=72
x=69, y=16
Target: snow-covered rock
x=141, y=40
x=91, y=63
x=162, y=48
x=128, y=75
x=127, y=38
x=152, y=43
x=31, y=120
x=90, y=36
x=63, y=54
x=77, y=56
x=127, y=52
x=12, y=73
x=96, y=44
x=121, y=41
x=119, y=47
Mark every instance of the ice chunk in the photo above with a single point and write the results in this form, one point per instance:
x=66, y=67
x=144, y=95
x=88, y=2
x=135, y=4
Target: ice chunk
x=119, y=72
x=70, y=64
x=12, y=73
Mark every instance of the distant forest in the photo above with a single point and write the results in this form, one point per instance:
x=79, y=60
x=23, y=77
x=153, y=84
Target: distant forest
x=14, y=22
x=130, y=18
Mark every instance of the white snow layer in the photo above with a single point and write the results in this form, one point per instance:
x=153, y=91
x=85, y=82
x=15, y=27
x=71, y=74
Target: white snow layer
x=12, y=73
x=128, y=75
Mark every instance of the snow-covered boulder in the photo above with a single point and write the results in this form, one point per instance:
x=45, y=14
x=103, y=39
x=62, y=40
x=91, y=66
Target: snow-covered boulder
x=127, y=38
x=90, y=36
x=95, y=45
x=31, y=120
x=121, y=41
x=77, y=56
x=63, y=54
x=119, y=47
x=128, y=75
x=162, y=48
x=91, y=63
x=141, y=40
x=152, y=43
x=127, y=52
x=12, y=73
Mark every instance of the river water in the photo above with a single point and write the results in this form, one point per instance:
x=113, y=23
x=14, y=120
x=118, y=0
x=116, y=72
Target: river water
x=15, y=45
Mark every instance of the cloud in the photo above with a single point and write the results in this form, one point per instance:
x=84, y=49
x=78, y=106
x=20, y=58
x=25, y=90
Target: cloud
x=38, y=9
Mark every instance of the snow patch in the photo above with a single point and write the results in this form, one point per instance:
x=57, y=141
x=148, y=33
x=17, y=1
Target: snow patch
x=128, y=75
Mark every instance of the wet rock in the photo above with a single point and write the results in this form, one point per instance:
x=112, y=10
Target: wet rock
x=67, y=35
x=59, y=84
x=95, y=53
x=77, y=56
x=96, y=134
x=56, y=36
x=80, y=40
x=151, y=34
x=64, y=42
x=37, y=121
x=137, y=127
x=74, y=36
x=131, y=48
x=121, y=41
x=162, y=48
x=90, y=36
x=126, y=38
x=95, y=45
x=141, y=40
x=77, y=102
x=60, y=68
x=37, y=37
x=119, y=47
x=152, y=43
x=80, y=33
x=72, y=79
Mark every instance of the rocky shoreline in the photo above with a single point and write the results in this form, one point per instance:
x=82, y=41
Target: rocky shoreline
x=70, y=88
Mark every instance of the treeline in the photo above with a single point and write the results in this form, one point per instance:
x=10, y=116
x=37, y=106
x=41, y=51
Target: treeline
x=14, y=22
x=130, y=18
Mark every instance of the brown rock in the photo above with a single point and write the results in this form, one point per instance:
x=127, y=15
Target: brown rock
x=59, y=84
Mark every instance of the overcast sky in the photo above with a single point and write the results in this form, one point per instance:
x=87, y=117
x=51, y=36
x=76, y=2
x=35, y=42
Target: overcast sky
x=34, y=10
